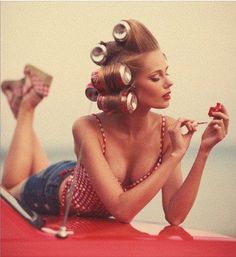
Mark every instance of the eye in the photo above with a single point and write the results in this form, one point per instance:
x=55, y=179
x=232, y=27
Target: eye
x=155, y=79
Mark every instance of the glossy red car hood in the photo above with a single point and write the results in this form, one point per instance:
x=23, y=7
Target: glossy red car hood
x=107, y=238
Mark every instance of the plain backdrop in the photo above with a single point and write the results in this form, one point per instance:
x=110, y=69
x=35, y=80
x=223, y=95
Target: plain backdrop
x=199, y=39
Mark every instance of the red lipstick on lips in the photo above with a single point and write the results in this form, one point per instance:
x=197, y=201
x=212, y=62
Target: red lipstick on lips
x=167, y=96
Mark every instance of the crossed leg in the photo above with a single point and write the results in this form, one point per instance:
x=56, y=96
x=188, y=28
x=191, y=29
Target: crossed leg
x=25, y=155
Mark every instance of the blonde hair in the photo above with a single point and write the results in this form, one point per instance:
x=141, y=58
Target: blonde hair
x=129, y=53
x=139, y=41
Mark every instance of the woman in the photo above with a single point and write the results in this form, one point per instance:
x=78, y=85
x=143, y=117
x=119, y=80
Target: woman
x=126, y=154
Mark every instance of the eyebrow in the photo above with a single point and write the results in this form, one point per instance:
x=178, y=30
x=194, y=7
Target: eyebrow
x=164, y=55
x=158, y=71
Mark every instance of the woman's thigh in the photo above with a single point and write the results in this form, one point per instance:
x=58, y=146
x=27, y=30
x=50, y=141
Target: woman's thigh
x=40, y=191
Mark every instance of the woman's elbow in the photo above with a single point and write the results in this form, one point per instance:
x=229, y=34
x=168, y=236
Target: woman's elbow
x=124, y=220
x=123, y=216
x=174, y=221
x=122, y=211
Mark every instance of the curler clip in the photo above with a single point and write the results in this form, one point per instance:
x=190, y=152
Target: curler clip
x=121, y=31
x=99, y=54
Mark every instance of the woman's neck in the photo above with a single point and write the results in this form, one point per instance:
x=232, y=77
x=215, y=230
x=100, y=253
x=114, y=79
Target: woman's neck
x=136, y=123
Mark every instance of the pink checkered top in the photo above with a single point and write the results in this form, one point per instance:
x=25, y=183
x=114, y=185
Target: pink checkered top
x=85, y=201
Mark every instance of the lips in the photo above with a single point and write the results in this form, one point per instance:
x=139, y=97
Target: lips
x=167, y=96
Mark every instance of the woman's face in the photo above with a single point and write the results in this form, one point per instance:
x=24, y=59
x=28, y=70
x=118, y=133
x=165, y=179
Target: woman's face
x=152, y=84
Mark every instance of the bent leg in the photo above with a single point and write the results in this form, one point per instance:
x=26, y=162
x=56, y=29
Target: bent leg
x=40, y=159
x=25, y=156
x=16, y=190
x=18, y=162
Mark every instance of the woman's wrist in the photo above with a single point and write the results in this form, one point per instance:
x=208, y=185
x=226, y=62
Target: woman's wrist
x=177, y=154
x=204, y=150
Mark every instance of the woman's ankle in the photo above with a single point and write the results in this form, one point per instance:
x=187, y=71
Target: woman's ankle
x=26, y=108
x=30, y=100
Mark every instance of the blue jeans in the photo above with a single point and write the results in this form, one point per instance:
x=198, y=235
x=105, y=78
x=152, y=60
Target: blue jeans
x=41, y=191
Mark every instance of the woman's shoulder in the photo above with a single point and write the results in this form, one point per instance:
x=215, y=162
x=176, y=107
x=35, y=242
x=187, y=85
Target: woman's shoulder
x=86, y=124
x=83, y=120
x=85, y=131
x=168, y=119
x=166, y=139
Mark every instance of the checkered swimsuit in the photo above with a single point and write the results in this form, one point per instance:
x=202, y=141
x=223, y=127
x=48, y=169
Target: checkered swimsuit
x=85, y=201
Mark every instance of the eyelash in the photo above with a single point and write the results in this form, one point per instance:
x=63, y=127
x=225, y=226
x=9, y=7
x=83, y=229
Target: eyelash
x=155, y=79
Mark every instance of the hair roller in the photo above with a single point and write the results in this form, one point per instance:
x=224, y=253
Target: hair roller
x=125, y=101
x=99, y=54
x=97, y=80
x=121, y=31
x=117, y=77
x=91, y=92
x=112, y=78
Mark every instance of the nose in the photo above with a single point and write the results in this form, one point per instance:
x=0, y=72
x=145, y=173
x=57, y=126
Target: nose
x=168, y=82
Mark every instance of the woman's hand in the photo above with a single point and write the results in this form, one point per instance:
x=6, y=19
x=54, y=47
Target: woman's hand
x=216, y=130
x=180, y=142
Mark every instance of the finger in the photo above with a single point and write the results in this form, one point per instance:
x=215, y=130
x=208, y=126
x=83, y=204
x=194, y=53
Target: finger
x=216, y=126
x=226, y=120
x=195, y=125
x=187, y=125
x=224, y=117
x=216, y=122
x=223, y=109
x=219, y=124
x=189, y=134
x=180, y=123
x=218, y=130
x=183, y=122
x=191, y=125
x=219, y=115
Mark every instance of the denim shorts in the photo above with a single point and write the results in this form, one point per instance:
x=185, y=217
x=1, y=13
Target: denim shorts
x=41, y=191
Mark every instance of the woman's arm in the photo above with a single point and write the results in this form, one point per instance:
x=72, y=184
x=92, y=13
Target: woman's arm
x=178, y=197
x=124, y=205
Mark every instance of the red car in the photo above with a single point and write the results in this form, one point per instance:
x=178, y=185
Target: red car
x=26, y=234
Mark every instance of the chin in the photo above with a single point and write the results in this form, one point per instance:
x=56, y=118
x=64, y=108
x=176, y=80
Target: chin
x=161, y=106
